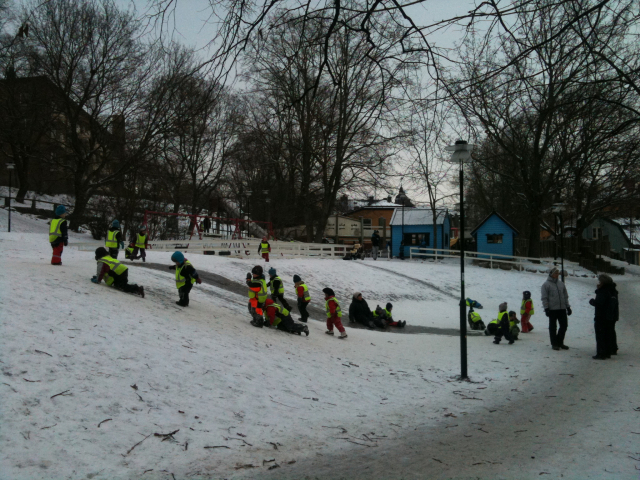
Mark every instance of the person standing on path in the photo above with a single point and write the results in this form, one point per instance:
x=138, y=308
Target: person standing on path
x=375, y=244
x=606, y=315
x=58, y=234
x=555, y=301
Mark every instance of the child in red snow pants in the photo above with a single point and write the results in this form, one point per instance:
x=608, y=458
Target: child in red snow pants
x=56, y=258
x=526, y=310
x=265, y=256
x=335, y=321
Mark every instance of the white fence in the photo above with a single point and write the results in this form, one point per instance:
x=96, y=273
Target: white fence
x=243, y=248
x=489, y=259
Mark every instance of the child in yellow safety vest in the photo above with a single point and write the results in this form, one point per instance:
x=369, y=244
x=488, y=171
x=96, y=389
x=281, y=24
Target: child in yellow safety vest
x=526, y=311
x=302, y=291
x=513, y=325
x=257, y=295
x=58, y=237
x=186, y=276
x=264, y=249
x=278, y=316
x=140, y=244
x=499, y=327
x=114, y=273
x=114, y=239
x=334, y=313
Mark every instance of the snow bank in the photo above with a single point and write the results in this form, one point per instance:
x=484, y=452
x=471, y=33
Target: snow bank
x=90, y=374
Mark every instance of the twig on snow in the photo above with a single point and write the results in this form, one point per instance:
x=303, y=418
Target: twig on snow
x=217, y=446
x=15, y=391
x=31, y=381
x=103, y=421
x=166, y=436
x=273, y=466
x=240, y=439
x=246, y=465
x=282, y=404
x=40, y=351
x=150, y=470
x=131, y=449
x=50, y=426
x=61, y=393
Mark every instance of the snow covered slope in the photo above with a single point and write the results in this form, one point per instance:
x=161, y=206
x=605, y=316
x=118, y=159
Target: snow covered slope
x=91, y=375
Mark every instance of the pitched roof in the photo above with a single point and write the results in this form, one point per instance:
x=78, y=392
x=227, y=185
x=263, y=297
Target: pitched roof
x=500, y=217
x=417, y=216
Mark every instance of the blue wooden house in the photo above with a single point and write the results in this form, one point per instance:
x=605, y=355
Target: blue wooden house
x=495, y=235
x=417, y=224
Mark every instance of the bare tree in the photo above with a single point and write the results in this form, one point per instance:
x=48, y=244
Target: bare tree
x=91, y=54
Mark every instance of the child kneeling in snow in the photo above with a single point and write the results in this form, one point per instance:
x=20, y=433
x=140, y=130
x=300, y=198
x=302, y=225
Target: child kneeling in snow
x=279, y=317
x=114, y=273
x=499, y=327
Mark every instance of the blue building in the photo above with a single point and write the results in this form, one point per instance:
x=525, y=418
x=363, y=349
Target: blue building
x=418, y=229
x=495, y=235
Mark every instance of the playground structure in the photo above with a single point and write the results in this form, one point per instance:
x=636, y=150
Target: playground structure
x=225, y=227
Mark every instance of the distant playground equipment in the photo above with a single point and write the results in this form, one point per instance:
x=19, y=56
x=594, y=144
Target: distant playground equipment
x=166, y=226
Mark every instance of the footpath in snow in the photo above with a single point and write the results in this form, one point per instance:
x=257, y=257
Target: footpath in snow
x=100, y=384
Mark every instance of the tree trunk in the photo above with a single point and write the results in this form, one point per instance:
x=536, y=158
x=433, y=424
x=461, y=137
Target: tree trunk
x=77, y=217
x=534, y=236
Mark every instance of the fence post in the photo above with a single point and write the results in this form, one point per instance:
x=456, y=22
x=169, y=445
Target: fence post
x=491, y=261
x=362, y=233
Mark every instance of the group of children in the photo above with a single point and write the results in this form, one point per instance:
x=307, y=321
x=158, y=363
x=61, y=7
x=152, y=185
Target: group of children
x=506, y=324
x=272, y=312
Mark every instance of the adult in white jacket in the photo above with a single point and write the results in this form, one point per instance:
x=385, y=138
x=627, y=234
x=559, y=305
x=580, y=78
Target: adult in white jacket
x=555, y=301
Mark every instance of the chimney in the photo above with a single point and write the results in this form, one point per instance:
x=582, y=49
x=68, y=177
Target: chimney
x=389, y=198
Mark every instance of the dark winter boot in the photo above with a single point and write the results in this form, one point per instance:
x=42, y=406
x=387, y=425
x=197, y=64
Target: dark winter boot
x=180, y=304
x=306, y=330
x=256, y=322
x=497, y=342
x=141, y=291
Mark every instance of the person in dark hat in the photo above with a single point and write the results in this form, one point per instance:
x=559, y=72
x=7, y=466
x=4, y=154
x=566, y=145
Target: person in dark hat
x=605, y=317
x=334, y=313
x=375, y=244
x=386, y=316
x=257, y=295
x=277, y=288
x=302, y=292
x=526, y=311
x=114, y=239
x=186, y=276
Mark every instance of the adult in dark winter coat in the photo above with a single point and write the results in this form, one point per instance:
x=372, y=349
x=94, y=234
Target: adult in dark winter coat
x=360, y=312
x=606, y=315
x=375, y=244
x=555, y=301
x=58, y=234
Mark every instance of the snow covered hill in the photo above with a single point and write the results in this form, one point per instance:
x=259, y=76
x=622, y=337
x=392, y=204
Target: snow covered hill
x=100, y=384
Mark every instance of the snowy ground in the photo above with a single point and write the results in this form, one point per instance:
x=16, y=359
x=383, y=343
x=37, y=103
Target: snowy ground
x=372, y=406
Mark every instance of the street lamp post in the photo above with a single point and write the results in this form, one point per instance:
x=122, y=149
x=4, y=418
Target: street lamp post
x=402, y=197
x=10, y=167
x=462, y=153
x=558, y=209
